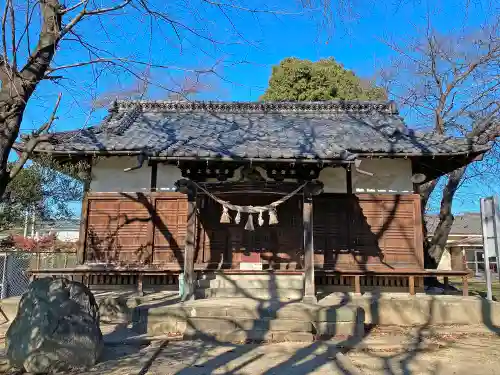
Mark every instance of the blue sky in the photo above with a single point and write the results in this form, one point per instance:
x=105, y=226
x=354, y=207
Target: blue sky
x=250, y=45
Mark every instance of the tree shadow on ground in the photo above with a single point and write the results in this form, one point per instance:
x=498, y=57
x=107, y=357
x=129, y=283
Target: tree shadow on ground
x=334, y=350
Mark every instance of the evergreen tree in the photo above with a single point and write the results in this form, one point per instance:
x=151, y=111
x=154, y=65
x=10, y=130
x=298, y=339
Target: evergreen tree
x=296, y=80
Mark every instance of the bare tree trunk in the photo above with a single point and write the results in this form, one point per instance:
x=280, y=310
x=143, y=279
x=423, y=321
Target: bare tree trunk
x=440, y=237
x=425, y=191
x=11, y=113
x=18, y=86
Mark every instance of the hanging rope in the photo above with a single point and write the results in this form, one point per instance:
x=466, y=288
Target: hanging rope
x=250, y=210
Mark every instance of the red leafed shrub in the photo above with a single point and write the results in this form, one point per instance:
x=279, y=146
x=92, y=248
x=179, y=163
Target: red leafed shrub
x=45, y=243
x=48, y=243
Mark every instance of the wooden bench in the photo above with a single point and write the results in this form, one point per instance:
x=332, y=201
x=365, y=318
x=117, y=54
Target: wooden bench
x=86, y=272
x=411, y=274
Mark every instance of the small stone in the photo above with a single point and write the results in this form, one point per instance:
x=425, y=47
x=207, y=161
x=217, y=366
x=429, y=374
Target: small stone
x=114, y=310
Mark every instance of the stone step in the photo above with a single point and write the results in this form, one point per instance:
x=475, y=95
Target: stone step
x=228, y=324
x=258, y=293
x=245, y=329
x=242, y=336
x=256, y=311
x=251, y=283
x=241, y=276
x=235, y=330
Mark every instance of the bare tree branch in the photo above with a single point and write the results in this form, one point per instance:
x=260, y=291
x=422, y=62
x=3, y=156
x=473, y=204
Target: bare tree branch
x=249, y=10
x=450, y=80
x=28, y=19
x=72, y=8
x=124, y=60
x=4, y=32
x=84, y=13
x=175, y=24
x=56, y=26
x=110, y=9
x=13, y=35
x=33, y=140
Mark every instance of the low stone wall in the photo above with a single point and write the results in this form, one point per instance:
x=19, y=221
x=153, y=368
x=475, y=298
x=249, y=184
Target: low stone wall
x=425, y=309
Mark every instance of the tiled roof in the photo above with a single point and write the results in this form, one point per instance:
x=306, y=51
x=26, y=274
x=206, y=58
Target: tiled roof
x=467, y=223
x=297, y=130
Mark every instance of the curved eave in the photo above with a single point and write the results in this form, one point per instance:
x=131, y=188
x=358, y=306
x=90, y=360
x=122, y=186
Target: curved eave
x=435, y=166
x=421, y=161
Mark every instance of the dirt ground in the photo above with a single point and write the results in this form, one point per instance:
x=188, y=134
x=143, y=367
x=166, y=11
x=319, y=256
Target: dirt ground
x=391, y=351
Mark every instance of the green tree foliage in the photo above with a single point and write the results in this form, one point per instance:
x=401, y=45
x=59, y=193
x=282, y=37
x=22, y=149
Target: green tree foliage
x=296, y=79
x=45, y=189
x=25, y=192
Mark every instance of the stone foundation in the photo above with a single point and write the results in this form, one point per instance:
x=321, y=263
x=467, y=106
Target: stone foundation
x=242, y=319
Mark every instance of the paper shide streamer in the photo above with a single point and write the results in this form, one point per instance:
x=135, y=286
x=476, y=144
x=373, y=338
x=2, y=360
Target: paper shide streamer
x=250, y=210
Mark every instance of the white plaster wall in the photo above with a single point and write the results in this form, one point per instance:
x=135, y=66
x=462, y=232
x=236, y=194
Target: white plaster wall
x=68, y=235
x=445, y=262
x=389, y=176
x=334, y=180
x=167, y=176
x=108, y=175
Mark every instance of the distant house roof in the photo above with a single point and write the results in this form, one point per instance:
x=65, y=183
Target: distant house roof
x=46, y=226
x=468, y=223
x=468, y=241
x=60, y=225
x=298, y=130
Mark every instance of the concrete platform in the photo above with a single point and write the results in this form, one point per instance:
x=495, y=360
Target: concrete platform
x=338, y=315
x=240, y=319
x=246, y=319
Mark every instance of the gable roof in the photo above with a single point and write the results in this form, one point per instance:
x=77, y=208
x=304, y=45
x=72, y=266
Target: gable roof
x=467, y=223
x=298, y=130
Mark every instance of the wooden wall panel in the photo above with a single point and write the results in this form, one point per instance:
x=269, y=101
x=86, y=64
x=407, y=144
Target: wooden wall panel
x=118, y=229
x=384, y=232
x=132, y=234
x=367, y=231
x=362, y=231
x=331, y=230
x=170, y=228
x=136, y=228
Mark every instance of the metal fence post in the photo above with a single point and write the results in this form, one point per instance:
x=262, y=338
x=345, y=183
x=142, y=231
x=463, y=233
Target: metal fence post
x=15, y=265
x=489, y=220
x=4, y=269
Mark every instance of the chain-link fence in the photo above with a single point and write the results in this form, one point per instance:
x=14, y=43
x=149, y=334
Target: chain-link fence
x=14, y=267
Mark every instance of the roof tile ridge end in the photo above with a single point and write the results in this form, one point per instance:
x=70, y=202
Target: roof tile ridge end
x=127, y=119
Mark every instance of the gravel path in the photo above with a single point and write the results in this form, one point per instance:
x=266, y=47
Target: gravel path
x=382, y=354
x=385, y=352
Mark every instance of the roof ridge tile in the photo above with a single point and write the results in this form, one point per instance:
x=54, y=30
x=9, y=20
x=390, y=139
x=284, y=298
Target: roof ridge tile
x=333, y=106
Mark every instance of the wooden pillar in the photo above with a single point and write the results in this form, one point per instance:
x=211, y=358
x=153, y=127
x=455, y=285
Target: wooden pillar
x=411, y=283
x=446, y=282
x=86, y=175
x=189, y=247
x=348, y=175
x=357, y=285
x=154, y=175
x=465, y=285
x=140, y=287
x=307, y=216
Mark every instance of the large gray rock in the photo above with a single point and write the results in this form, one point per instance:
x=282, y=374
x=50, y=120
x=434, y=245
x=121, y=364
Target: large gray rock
x=56, y=328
